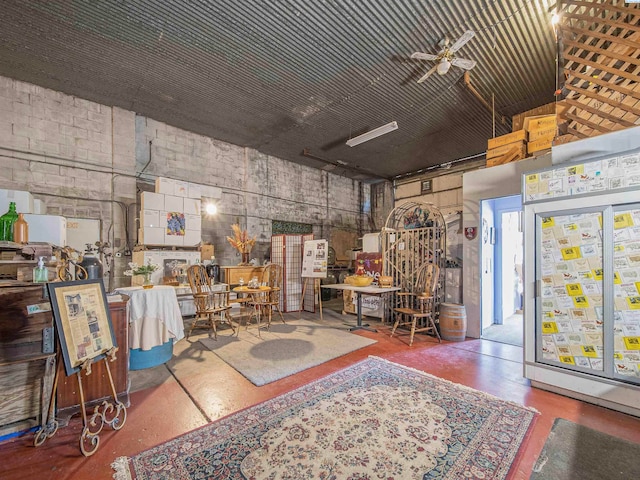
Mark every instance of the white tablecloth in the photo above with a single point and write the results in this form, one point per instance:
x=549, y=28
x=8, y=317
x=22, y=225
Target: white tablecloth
x=154, y=316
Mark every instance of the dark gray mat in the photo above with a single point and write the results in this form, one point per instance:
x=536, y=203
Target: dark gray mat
x=573, y=451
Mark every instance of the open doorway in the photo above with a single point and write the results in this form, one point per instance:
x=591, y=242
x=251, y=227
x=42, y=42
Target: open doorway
x=502, y=285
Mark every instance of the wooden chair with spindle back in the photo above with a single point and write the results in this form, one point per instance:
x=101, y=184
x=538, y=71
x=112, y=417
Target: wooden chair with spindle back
x=417, y=308
x=212, y=307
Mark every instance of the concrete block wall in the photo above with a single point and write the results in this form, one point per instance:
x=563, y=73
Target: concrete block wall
x=256, y=188
x=74, y=155
x=88, y=160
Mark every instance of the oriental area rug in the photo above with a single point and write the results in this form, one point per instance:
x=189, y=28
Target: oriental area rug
x=374, y=419
x=284, y=349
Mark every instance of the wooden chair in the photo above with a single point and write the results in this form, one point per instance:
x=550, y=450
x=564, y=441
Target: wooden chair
x=212, y=307
x=417, y=308
x=266, y=302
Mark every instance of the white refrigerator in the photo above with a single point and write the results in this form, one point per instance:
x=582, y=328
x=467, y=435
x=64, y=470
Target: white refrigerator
x=582, y=280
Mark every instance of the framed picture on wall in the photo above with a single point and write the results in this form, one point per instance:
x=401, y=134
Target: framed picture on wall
x=83, y=322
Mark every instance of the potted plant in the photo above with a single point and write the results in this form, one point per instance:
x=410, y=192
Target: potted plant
x=146, y=270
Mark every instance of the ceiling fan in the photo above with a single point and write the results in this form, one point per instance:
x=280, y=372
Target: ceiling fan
x=446, y=56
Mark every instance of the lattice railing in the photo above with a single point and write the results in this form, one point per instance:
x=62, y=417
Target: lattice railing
x=600, y=49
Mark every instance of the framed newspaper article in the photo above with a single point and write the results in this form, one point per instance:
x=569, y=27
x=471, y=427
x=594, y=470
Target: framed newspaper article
x=83, y=322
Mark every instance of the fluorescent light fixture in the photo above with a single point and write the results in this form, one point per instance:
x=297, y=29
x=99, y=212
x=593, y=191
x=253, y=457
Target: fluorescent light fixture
x=376, y=132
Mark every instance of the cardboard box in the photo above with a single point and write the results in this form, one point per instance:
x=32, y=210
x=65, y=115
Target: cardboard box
x=503, y=149
x=540, y=122
x=47, y=228
x=151, y=235
x=24, y=201
x=192, y=206
x=150, y=218
x=541, y=144
x=505, y=139
x=192, y=238
x=165, y=186
x=181, y=189
x=206, y=252
x=151, y=201
x=542, y=133
x=173, y=204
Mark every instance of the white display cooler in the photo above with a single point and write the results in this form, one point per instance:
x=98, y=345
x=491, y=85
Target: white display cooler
x=582, y=280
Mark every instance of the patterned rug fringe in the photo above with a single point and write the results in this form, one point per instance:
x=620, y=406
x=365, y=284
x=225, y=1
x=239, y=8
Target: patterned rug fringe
x=121, y=467
x=486, y=395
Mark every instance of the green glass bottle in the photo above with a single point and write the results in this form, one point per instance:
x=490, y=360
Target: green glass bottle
x=6, y=223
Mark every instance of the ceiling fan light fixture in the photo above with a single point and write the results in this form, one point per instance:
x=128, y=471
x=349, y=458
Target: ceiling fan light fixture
x=371, y=134
x=443, y=66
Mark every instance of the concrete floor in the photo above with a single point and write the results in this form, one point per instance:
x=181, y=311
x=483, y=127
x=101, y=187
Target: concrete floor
x=196, y=387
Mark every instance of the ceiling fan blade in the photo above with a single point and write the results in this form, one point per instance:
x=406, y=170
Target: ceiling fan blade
x=423, y=56
x=426, y=75
x=466, y=36
x=463, y=63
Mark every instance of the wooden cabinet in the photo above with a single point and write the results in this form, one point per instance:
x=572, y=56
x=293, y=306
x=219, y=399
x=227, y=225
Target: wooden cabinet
x=233, y=274
x=27, y=354
x=96, y=386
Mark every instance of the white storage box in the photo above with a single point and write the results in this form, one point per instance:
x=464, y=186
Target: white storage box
x=192, y=238
x=151, y=201
x=24, y=201
x=151, y=236
x=181, y=189
x=47, y=228
x=165, y=185
x=192, y=206
x=39, y=207
x=150, y=218
x=195, y=191
x=193, y=222
x=173, y=204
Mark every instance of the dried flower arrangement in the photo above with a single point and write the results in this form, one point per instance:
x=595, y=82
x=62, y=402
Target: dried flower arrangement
x=240, y=240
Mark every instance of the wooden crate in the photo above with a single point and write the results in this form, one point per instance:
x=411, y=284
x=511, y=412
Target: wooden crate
x=26, y=352
x=504, y=149
x=517, y=121
x=506, y=139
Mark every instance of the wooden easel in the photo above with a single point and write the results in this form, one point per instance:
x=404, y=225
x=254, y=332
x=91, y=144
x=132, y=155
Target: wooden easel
x=316, y=291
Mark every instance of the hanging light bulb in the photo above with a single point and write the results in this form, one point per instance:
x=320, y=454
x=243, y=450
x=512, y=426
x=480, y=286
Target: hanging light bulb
x=211, y=209
x=443, y=66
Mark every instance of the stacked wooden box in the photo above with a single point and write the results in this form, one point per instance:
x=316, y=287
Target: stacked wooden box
x=537, y=134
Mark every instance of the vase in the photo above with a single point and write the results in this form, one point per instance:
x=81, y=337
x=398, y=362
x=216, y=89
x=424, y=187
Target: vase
x=6, y=223
x=245, y=258
x=21, y=230
x=147, y=281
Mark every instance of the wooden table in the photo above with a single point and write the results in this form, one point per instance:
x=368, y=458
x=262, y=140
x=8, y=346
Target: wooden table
x=255, y=294
x=370, y=290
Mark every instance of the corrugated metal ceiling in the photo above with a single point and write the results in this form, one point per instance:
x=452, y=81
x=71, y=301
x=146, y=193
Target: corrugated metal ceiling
x=289, y=77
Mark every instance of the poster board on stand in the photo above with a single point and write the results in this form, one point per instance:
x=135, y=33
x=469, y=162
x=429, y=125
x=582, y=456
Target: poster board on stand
x=314, y=259
x=315, y=254
x=83, y=322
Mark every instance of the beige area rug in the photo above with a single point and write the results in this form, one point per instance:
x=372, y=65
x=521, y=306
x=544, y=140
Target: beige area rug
x=372, y=420
x=284, y=350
